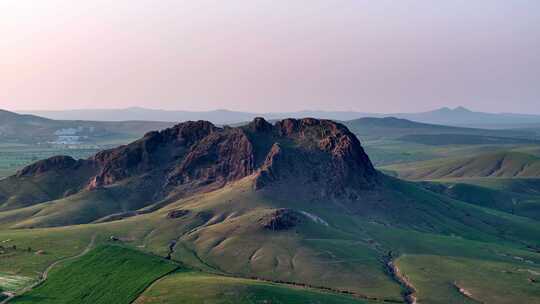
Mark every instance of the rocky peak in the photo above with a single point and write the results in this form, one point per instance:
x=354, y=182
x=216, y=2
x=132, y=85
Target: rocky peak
x=58, y=163
x=307, y=126
x=259, y=124
x=189, y=132
x=153, y=150
x=221, y=156
x=329, y=136
x=325, y=157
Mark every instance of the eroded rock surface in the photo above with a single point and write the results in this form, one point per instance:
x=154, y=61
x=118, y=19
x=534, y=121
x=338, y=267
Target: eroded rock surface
x=280, y=219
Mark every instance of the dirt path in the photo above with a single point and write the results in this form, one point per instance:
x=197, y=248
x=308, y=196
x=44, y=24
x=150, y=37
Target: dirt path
x=45, y=273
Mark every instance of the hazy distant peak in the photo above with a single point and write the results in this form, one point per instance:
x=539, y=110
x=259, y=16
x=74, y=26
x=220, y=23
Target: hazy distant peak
x=461, y=109
x=454, y=110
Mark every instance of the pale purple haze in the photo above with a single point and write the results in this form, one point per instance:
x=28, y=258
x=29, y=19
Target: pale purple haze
x=268, y=55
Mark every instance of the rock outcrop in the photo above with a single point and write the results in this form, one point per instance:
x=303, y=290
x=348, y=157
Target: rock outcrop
x=154, y=150
x=321, y=156
x=280, y=219
x=173, y=214
x=219, y=157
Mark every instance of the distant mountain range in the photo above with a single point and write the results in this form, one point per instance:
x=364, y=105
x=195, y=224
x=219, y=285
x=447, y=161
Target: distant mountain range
x=459, y=116
x=220, y=116
x=404, y=129
x=84, y=126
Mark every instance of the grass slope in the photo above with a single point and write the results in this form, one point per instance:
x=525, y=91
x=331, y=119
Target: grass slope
x=107, y=274
x=199, y=288
x=498, y=164
x=463, y=139
x=220, y=232
x=13, y=282
x=391, y=140
x=29, y=252
x=520, y=196
x=439, y=279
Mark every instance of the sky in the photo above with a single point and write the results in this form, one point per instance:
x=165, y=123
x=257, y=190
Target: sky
x=267, y=55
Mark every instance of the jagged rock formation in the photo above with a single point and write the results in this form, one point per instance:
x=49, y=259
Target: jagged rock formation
x=155, y=149
x=323, y=154
x=58, y=163
x=319, y=157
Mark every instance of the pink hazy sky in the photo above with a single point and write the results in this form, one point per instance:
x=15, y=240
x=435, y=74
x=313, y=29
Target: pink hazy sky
x=268, y=55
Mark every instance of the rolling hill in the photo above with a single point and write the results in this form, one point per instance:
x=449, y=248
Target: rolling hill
x=461, y=116
x=297, y=203
x=30, y=129
x=520, y=196
x=392, y=140
x=407, y=130
x=497, y=164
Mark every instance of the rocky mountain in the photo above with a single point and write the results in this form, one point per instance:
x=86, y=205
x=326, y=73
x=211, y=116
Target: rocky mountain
x=459, y=116
x=197, y=156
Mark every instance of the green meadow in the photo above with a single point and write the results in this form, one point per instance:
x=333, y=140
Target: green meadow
x=107, y=274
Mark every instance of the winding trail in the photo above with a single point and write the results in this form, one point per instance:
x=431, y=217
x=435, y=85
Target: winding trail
x=45, y=273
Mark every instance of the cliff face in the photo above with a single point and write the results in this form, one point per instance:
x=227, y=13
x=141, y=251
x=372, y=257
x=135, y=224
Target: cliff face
x=154, y=150
x=320, y=156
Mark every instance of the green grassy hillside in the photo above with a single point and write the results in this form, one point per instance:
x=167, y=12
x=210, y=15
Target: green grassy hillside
x=498, y=164
x=199, y=288
x=442, y=279
x=528, y=186
x=220, y=234
x=520, y=196
x=392, y=141
x=464, y=139
x=107, y=274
